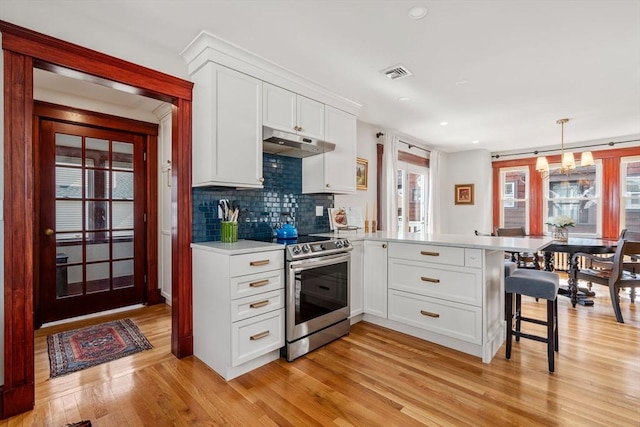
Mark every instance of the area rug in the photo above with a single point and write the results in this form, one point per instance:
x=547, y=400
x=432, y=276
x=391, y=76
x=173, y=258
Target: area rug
x=78, y=349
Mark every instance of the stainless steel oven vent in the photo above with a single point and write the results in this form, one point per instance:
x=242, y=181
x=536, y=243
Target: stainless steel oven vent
x=397, y=72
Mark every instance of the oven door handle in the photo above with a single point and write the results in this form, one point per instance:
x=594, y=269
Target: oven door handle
x=305, y=264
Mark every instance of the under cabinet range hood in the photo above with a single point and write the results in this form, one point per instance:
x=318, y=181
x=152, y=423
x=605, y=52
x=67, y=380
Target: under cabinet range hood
x=292, y=145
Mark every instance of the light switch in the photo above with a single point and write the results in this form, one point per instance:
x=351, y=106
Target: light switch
x=319, y=210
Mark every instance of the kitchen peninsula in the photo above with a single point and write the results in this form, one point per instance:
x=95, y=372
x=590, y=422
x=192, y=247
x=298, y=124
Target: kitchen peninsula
x=443, y=288
x=447, y=289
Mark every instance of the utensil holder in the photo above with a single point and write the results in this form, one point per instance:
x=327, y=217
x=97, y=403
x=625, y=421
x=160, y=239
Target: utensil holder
x=228, y=232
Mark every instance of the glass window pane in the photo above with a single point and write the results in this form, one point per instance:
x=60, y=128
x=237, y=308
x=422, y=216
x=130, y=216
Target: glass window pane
x=97, y=215
x=632, y=195
x=122, y=215
x=97, y=246
x=515, y=215
x=122, y=185
x=68, y=248
x=68, y=183
x=96, y=152
x=515, y=182
x=123, y=248
x=122, y=155
x=98, y=277
x=97, y=183
x=123, y=274
x=584, y=212
x=68, y=215
x=68, y=149
x=68, y=281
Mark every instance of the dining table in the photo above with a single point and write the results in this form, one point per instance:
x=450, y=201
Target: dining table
x=572, y=246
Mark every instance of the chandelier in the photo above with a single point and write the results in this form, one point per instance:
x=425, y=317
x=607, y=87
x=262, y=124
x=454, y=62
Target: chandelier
x=567, y=160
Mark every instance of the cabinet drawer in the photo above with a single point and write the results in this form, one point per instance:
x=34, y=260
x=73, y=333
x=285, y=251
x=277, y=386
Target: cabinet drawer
x=454, y=320
x=458, y=284
x=435, y=254
x=252, y=284
x=256, y=336
x=241, y=265
x=243, y=308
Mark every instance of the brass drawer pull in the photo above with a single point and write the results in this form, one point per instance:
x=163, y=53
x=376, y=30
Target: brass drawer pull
x=428, y=313
x=429, y=279
x=258, y=336
x=428, y=253
x=259, y=263
x=259, y=304
x=258, y=284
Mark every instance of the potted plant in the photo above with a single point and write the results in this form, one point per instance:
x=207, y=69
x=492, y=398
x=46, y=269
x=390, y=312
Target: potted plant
x=559, y=226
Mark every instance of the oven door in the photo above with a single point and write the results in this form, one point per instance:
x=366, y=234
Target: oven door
x=317, y=294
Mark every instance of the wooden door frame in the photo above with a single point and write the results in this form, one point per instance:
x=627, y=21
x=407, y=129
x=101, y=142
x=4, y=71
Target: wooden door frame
x=149, y=134
x=23, y=50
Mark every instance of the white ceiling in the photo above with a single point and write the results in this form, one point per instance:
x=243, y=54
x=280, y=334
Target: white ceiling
x=524, y=64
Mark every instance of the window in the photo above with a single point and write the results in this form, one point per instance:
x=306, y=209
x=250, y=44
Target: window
x=630, y=193
x=576, y=196
x=514, y=200
x=412, y=197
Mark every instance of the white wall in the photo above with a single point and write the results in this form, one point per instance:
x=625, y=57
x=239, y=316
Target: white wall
x=467, y=167
x=367, y=150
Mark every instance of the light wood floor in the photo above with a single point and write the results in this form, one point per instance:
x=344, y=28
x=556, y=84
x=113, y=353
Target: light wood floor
x=371, y=377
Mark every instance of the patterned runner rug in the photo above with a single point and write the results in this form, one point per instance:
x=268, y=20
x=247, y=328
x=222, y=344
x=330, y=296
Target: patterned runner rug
x=78, y=349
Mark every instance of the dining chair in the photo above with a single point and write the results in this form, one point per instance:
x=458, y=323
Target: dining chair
x=522, y=259
x=617, y=271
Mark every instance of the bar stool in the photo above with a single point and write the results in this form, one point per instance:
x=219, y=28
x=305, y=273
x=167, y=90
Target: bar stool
x=537, y=284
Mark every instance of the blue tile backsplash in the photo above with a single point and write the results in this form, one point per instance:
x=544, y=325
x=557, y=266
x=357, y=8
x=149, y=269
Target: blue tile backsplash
x=261, y=209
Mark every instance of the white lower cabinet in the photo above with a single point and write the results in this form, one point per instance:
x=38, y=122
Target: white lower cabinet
x=356, y=279
x=375, y=278
x=430, y=287
x=445, y=294
x=238, y=308
x=444, y=317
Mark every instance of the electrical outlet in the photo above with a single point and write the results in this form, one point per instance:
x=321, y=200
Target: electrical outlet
x=319, y=210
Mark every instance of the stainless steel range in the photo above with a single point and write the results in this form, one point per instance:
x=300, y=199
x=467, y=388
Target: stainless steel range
x=317, y=293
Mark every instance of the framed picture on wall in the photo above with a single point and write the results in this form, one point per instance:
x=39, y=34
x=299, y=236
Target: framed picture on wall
x=362, y=173
x=464, y=194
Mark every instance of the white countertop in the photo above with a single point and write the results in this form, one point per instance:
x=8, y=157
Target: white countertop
x=238, y=248
x=513, y=244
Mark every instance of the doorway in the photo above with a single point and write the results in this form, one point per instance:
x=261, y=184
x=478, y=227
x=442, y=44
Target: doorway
x=91, y=195
x=24, y=50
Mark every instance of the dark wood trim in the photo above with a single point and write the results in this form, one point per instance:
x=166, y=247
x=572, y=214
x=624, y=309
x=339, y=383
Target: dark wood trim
x=24, y=49
x=72, y=115
x=403, y=156
x=379, y=160
x=19, y=392
x=610, y=182
x=181, y=274
x=62, y=57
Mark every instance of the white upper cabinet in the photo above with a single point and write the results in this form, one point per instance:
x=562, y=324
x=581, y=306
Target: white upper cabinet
x=335, y=171
x=290, y=112
x=227, y=128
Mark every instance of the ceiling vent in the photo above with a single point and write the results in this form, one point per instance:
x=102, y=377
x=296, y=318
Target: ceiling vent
x=397, y=72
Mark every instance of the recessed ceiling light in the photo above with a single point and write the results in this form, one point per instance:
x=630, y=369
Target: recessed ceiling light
x=444, y=123
x=462, y=82
x=403, y=99
x=475, y=142
x=418, y=12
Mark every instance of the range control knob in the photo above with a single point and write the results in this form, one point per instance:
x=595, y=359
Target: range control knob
x=338, y=244
x=305, y=248
x=346, y=243
x=296, y=250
